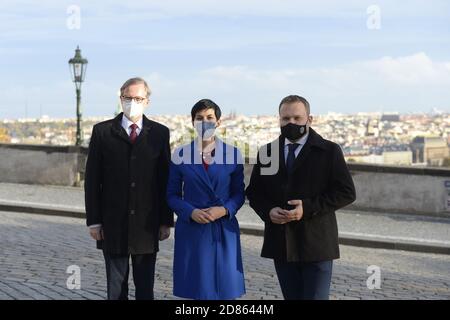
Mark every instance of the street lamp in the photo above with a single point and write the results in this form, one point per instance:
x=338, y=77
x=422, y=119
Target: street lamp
x=78, y=67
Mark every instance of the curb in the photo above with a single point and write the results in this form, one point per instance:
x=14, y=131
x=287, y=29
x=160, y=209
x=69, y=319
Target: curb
x=72, y=213
x=365, y=242
x=249, y=229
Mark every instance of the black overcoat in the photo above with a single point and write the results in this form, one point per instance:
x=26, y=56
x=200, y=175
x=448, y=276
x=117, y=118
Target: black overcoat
x=321, y=180
x=125, y=186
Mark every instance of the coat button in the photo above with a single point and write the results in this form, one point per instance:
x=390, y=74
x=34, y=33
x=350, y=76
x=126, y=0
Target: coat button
x=132, y=212
x=133, y=184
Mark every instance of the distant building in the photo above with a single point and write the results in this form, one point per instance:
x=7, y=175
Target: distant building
x=372, y=128
x=429, y=150
x=371, y=158
x=397, y=157
x=4, y=136
x=391, y=117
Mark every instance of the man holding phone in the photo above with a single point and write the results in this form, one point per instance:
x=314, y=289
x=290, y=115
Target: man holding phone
x=298, y=202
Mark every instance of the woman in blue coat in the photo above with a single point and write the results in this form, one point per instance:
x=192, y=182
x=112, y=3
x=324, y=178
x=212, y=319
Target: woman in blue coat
x=206, y=189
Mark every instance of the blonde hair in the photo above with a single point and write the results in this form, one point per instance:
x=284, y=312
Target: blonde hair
x=133, y=81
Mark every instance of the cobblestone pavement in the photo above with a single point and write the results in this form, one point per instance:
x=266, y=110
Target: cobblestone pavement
x=399, y=227
x=36, y=251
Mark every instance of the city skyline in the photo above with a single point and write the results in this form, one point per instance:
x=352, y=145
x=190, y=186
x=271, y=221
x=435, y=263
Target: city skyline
x=409, y=139
x=149, y=114
x=245, y=55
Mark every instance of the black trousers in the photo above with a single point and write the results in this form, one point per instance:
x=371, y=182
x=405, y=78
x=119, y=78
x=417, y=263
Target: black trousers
x=305, y=280
x=117, y=271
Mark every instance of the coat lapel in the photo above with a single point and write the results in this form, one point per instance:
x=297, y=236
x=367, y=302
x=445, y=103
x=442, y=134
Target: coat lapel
x=197, y=166
x=281, y=160
x=302, y=155
x=314, y=140
x=118, y=130
x=214, y=168
x=146, y=126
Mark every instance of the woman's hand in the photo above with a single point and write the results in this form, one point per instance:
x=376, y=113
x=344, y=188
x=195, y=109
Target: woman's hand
x=201, y=216
x=216, y=212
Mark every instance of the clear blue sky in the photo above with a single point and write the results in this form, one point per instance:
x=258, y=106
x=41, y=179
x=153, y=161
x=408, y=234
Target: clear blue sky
x=244, y=54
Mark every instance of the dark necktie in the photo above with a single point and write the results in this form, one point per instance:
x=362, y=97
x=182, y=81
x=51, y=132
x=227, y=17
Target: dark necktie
x=133, y=134
x=291, y=156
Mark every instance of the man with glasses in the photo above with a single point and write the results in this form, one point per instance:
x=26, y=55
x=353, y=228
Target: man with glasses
x=125, y=192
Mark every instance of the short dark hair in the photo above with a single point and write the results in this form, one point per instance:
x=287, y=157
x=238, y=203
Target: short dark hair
x=205, y=104
x=295, y=98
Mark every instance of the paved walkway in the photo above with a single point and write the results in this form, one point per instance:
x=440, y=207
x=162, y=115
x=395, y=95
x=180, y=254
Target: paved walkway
x=373, y=225
x=36, y=251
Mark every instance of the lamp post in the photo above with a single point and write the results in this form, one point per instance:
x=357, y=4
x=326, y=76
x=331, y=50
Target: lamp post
x=78, y=67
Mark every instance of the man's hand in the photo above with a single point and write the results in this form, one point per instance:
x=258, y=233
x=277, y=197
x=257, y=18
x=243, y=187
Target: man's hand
x=216, y=212
x=277, y=215
x=201, y=216
x=164, y=233
x=96, y=233
x=296, y=213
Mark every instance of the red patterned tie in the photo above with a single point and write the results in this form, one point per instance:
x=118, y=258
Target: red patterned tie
x=133, y=134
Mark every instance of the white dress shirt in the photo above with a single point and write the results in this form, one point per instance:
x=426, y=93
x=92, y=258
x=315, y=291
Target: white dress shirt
x=126, y=123
x=301, y=143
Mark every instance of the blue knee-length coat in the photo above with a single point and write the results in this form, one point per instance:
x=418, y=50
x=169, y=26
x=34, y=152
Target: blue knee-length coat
x=207, y=257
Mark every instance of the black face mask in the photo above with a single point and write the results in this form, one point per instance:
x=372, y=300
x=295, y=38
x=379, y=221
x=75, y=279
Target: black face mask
x=293, y=131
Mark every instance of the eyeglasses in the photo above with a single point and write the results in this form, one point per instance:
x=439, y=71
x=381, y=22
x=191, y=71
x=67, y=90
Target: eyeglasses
x=136, y=99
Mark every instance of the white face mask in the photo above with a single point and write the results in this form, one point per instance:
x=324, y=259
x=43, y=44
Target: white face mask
x=132, y=109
